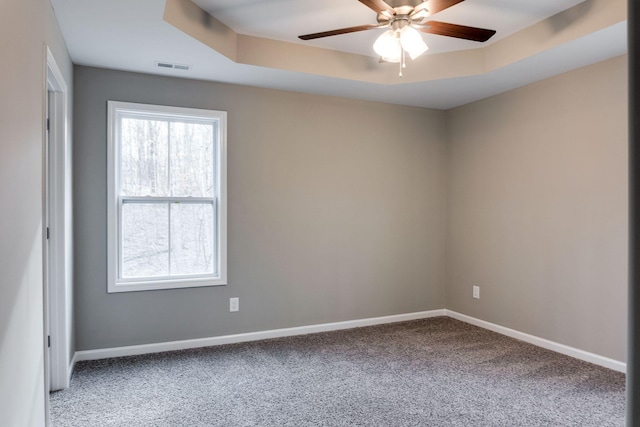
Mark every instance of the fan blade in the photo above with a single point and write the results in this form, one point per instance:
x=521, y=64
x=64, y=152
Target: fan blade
x=435, y=6
x=340, y=31
x=455, y=30
x=379, y=6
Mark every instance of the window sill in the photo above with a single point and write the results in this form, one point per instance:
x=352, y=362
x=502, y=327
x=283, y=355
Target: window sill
x=165, y=284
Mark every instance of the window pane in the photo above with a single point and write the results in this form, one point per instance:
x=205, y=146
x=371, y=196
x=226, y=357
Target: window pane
x=145, y=240
x=144, y=157
x=192, y=234
x=192, y=159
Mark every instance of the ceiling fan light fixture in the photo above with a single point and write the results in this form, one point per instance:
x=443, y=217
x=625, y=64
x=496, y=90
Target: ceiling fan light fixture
x=412, y=42
x=389, y=46
x=405, y=22
x=391, y=43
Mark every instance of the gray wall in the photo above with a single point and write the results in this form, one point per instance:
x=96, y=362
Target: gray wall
x=336, y=212
x=25, y=27
x=335, y=215
x=538, y=209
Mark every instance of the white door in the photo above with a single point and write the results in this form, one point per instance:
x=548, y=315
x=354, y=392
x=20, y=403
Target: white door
x=57, y=251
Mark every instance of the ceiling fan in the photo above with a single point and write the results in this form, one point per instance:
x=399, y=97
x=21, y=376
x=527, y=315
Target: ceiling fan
x=405, y=18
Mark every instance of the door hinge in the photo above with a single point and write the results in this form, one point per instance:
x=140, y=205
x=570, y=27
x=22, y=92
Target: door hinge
x=47, y=233
x=47, y=123
x=49, y=341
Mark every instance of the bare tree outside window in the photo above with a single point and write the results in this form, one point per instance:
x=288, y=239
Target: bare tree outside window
x=161, y=161
x=167, y=197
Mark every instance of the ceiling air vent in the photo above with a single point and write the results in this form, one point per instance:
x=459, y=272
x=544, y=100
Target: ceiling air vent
x=172, y=66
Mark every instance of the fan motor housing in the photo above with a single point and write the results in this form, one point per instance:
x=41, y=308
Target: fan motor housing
x=399, y=3
x=403, y=12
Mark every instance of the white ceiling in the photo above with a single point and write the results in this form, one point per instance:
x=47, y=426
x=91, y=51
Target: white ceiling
x=287, y=19
x=132, y=35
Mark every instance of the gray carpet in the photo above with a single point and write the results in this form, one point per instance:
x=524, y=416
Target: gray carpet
x=432, y=372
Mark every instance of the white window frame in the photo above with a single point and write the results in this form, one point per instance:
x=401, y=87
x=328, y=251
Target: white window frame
x=115, y=283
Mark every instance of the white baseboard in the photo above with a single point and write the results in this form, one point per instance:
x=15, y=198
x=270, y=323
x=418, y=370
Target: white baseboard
x=133, y=350
x=72, y=364
x=541, y=342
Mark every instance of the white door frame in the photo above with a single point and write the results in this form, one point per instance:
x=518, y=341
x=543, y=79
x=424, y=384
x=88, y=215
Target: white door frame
x=58, y=248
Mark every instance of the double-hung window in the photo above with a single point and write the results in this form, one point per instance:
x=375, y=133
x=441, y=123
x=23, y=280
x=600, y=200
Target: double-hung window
x=166, y=197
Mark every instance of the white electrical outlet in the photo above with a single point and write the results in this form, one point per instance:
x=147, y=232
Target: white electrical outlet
x=234, y=304
x=476, y=292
